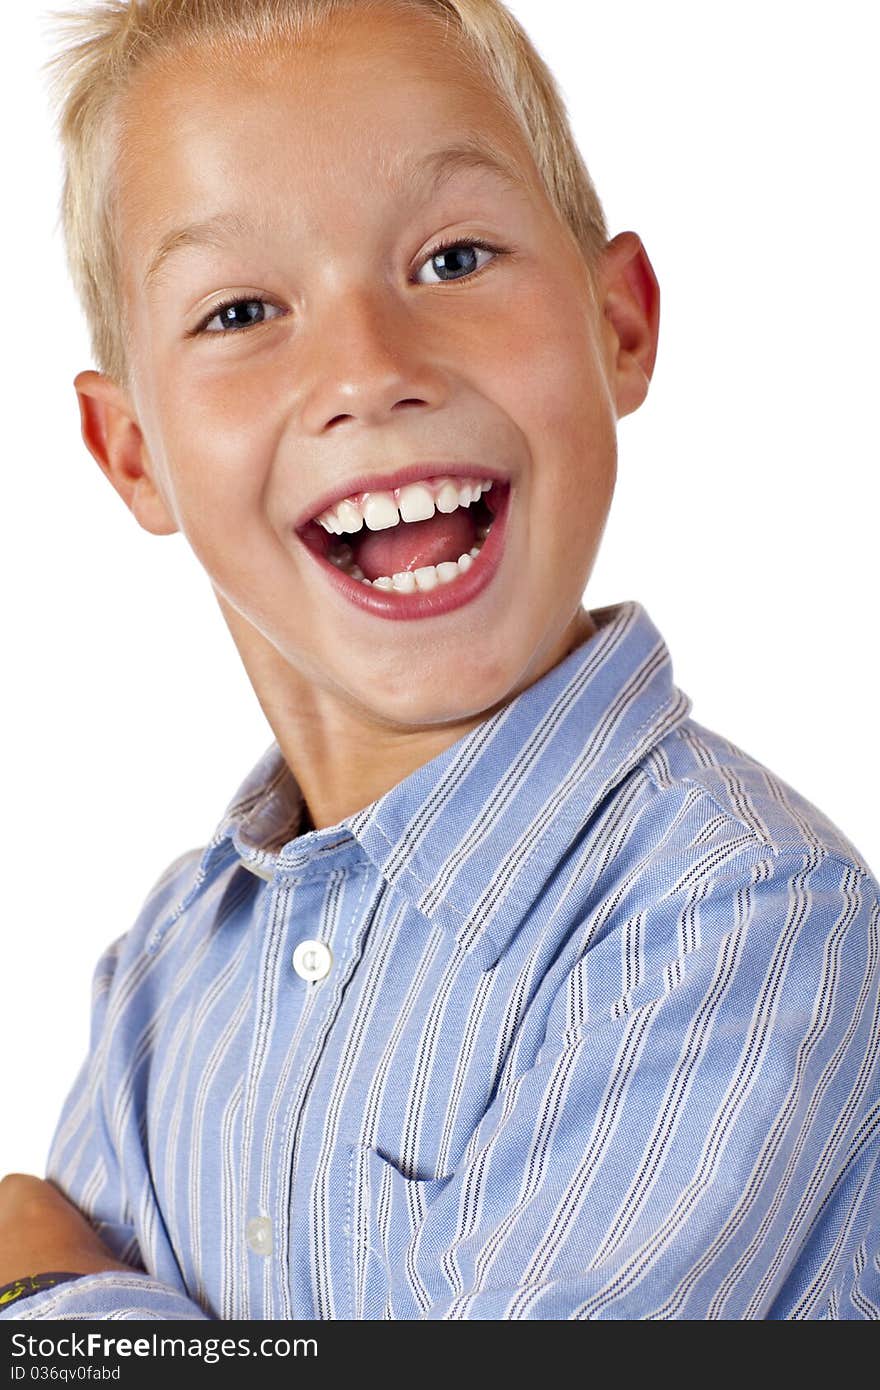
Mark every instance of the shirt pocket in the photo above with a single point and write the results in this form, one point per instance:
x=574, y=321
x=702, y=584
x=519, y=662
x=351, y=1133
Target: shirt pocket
x=385, y=1213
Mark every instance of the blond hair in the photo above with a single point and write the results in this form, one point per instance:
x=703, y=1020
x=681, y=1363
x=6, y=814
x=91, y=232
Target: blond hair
x=105, y=43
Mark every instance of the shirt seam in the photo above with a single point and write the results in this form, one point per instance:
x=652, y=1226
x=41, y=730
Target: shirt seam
x=286, y=878
x=645, y=994
x=243, y=808
x=776, y=847
x=729, y=815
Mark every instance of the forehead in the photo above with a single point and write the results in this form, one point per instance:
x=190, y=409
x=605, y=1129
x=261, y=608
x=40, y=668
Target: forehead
x=367, y=108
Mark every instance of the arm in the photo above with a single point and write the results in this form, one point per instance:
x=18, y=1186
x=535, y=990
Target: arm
x=41, y=1230
x=711, y=1152
x=81, y=1219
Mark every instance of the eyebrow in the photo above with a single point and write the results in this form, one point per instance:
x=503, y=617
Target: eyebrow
x=431, y=173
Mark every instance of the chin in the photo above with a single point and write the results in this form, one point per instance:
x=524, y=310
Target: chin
x=439, y=698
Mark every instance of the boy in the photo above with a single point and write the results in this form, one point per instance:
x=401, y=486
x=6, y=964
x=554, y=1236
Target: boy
x=504, y=989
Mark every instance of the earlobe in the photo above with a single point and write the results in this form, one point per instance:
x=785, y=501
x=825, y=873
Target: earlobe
x=631, y=306
x=113, y=437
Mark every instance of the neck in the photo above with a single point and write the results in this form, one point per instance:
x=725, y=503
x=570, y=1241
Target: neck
x=342, y=759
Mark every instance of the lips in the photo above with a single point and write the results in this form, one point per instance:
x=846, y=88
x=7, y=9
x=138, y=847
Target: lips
x=437, y=601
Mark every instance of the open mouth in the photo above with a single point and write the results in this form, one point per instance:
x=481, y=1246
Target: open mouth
x=410, y=539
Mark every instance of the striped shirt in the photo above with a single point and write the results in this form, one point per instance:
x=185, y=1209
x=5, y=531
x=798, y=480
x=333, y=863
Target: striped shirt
x=579, y=1020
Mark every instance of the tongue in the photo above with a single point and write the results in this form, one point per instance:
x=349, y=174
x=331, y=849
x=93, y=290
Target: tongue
x=412, y=544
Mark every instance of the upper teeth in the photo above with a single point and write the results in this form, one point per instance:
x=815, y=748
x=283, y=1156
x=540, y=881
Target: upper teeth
x=414, y=502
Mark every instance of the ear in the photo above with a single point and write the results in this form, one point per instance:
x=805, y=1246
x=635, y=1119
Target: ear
x=630, y=300
x=114, y=439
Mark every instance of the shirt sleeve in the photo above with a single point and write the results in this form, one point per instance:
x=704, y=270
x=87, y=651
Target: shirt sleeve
x=706, y=1147
x=85, y=1165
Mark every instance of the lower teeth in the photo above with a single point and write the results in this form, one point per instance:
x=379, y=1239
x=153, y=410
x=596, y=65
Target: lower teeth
x=410, y=581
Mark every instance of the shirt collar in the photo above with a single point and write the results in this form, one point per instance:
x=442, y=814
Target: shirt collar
x=471, y=837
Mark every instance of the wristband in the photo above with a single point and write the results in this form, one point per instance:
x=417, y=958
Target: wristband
x=31, y=1283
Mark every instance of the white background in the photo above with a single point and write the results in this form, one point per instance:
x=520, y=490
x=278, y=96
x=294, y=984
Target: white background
x=740, y=142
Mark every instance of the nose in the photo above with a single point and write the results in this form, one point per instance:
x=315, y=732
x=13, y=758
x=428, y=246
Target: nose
x=368, y=359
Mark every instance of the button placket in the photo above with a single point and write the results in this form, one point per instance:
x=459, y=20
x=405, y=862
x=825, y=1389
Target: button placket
x=348, y=931
x=288, y=1018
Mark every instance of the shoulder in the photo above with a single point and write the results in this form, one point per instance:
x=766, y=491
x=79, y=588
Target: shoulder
x=125, y=981
x=704, y=861
x=762, y=853
x=161, y=902
x=746, y=792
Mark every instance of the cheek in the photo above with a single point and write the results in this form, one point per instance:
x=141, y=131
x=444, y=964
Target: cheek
x=559, y=396
x=556, y=385
x=218, y=482
x=219, y=450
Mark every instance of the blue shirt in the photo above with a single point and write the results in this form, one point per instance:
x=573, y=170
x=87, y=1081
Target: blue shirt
x=583, y=1024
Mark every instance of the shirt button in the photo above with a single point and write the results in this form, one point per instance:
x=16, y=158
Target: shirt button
x=258, y=1234
x=312, y=959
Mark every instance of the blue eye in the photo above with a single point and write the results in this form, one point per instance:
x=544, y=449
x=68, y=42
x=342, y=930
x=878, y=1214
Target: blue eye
x=232, y=319
x=460, y=260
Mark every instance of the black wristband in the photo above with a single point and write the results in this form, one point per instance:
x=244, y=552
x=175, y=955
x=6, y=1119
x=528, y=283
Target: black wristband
x=20, y=1289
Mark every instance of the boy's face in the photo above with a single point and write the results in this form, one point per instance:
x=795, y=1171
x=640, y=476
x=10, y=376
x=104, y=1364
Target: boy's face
x=363, y=360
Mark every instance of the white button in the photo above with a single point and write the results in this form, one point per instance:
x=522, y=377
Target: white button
x=312, y=959
x=258, y=1234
